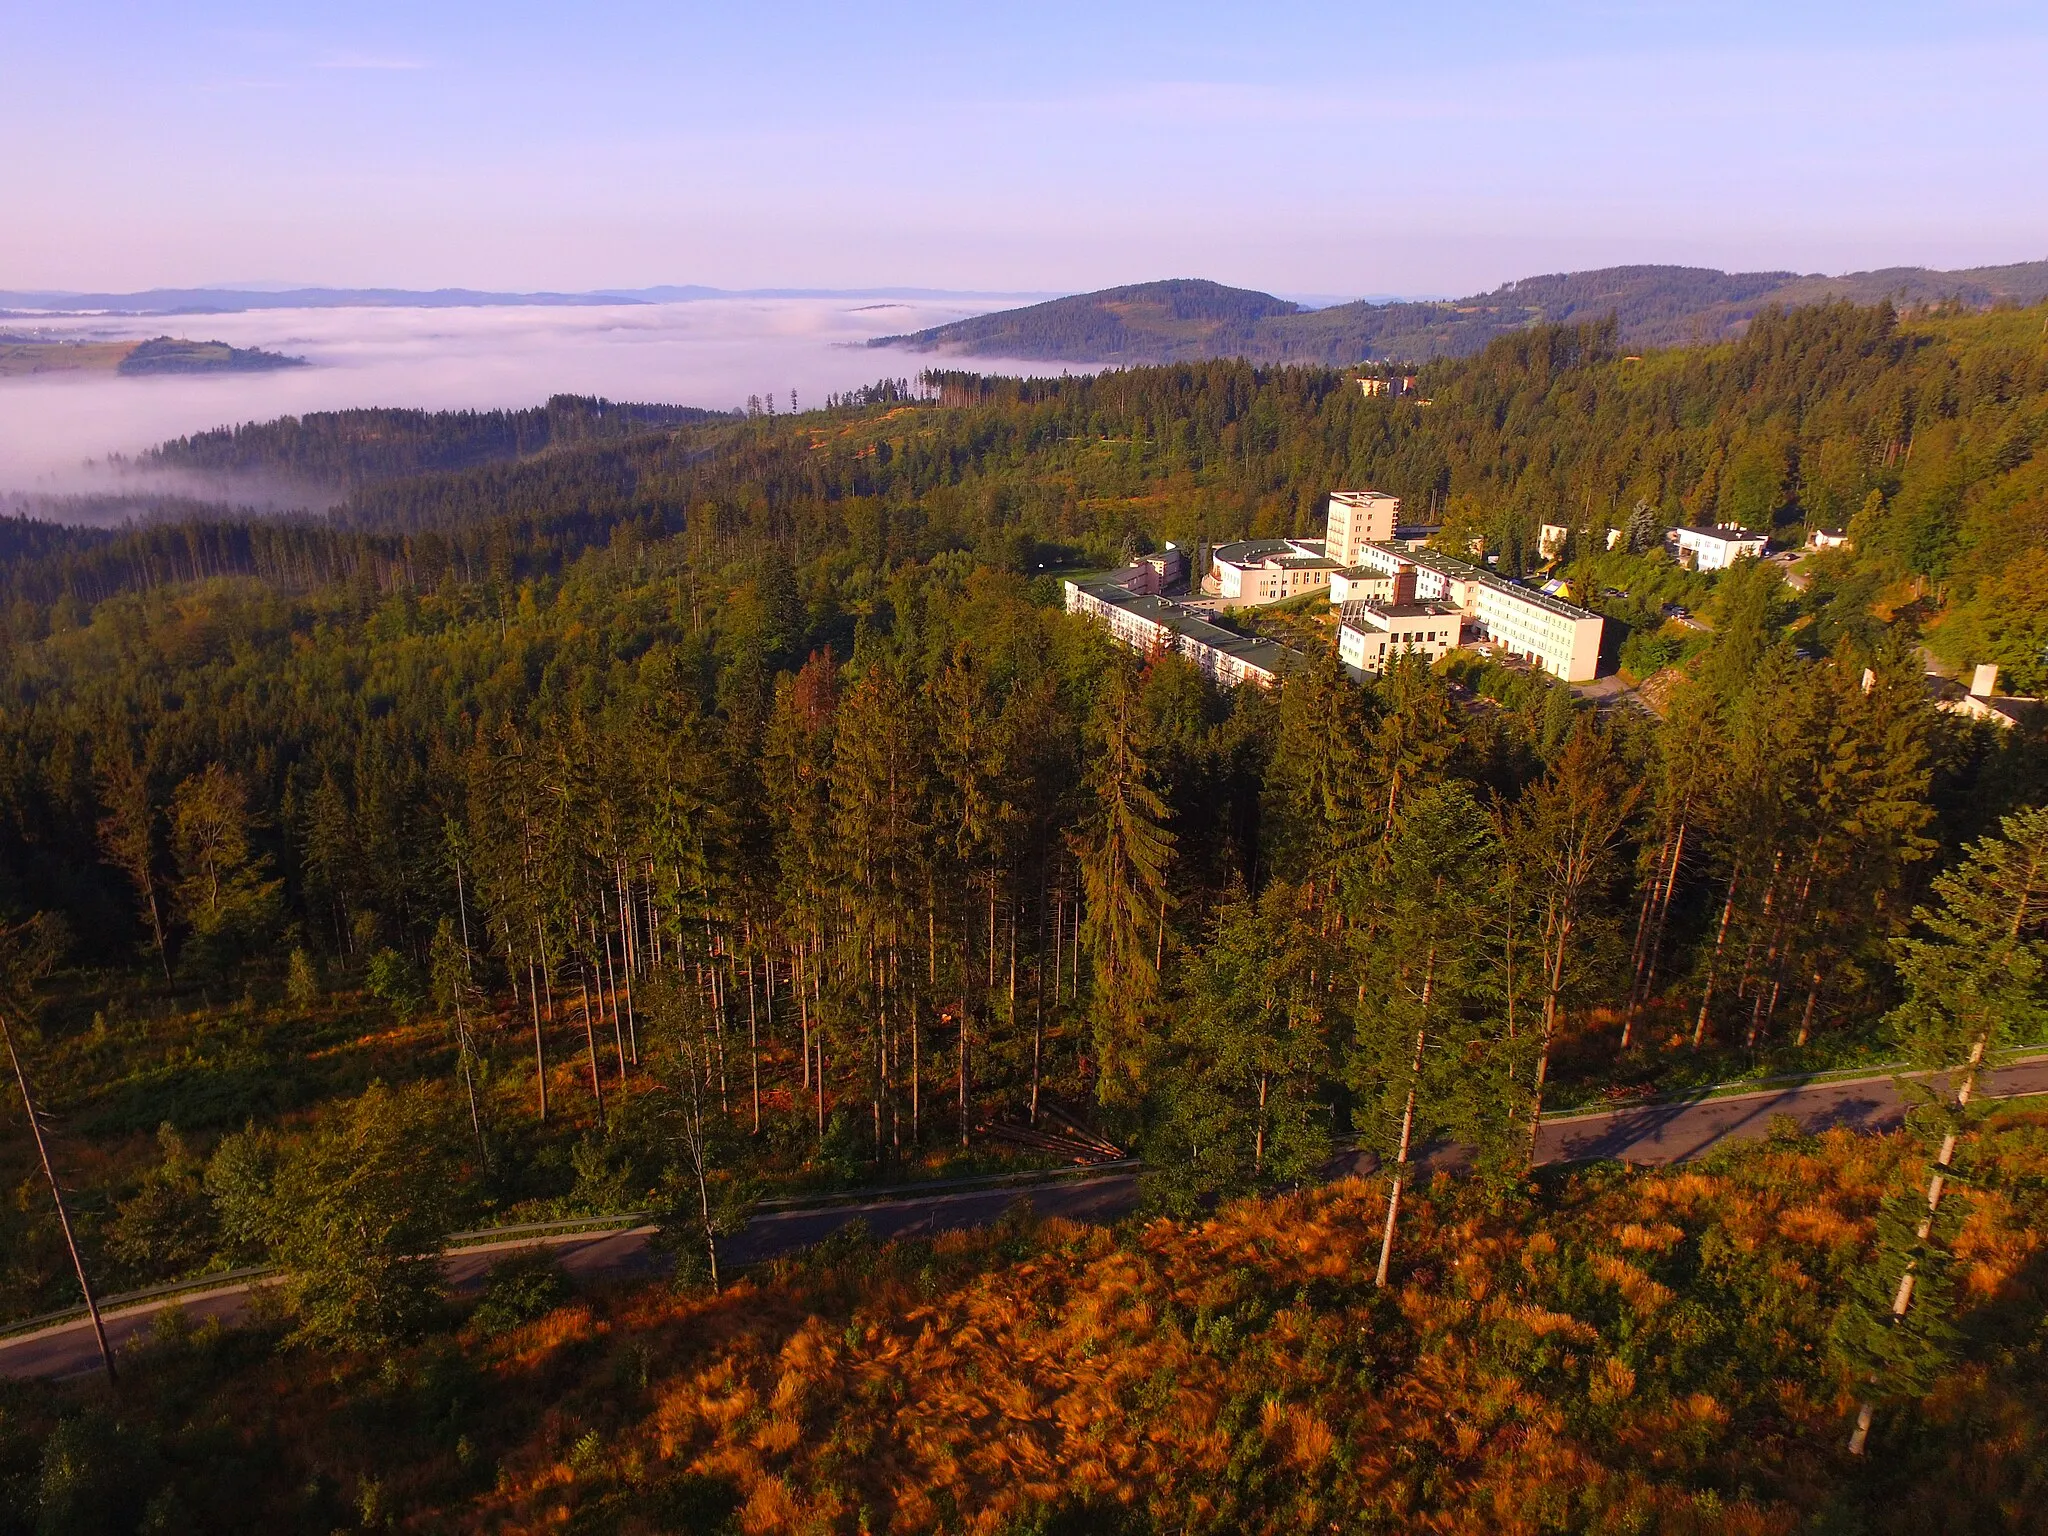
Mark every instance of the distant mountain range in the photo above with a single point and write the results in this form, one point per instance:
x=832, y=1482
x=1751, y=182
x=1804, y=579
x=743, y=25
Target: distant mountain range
x=1183, y=319
x=23, y=304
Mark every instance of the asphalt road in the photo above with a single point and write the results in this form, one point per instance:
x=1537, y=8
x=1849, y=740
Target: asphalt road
x=1650, y=1135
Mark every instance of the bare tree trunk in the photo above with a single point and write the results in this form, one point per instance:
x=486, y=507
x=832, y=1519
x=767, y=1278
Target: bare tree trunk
x=718, y=1027
x=1663, y=912
x=1699, y=1026
x=590, y=1038
x=1553, y=988
x=753, y=1043
x=1937, y=1180
x=540, y=1050
x=35, y=1129
x=803, y=1008
x=1639, y=952
x=612, y=979
x=1812, y=1001
x=1749, y=949
x=629, y=954
x=1400, y=1164
x=1259, y=1131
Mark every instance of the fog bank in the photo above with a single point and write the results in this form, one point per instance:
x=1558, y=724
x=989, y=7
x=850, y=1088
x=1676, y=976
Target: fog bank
x=56, y=430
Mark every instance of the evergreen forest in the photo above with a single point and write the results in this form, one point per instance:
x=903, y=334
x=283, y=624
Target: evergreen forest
x=614, y=811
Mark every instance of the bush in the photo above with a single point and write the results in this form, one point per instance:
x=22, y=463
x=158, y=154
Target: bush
x=356, y=1212
x=522, y=1288
x=302, y=981
x=395, y=979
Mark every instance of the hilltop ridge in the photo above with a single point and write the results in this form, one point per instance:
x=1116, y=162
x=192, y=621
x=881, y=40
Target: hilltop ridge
x=1184, y=319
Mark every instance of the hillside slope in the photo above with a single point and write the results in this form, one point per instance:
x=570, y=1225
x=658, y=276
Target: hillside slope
x=1635, y=1351
x=1184, y=319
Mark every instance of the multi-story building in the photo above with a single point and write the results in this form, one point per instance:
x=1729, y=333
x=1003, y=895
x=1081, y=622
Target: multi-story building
x=1356, y=519
x=1716, y=548
x=1151, y=575
x=1564, y=640
x=1152, y=624
x=1370, y=634
x=1267, y=571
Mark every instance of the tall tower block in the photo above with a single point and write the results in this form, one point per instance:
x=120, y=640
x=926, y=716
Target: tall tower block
x=1358, y=518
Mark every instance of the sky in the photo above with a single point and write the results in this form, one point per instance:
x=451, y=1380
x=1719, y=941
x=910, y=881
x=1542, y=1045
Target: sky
x=1330, y=149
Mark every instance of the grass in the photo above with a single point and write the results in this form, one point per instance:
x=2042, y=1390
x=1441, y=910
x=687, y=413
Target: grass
x=1609, y=1349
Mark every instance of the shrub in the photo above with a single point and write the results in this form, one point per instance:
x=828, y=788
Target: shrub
x=522, y=1288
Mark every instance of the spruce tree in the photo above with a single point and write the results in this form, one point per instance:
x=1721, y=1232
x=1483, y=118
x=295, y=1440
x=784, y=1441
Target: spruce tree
x=1973, y=976
x=1124, y=849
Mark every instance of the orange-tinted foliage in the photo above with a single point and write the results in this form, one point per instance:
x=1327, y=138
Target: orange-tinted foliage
x=1625, y=1351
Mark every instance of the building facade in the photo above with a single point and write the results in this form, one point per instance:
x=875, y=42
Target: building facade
x=1267, y=571
x=1561, y=638
x=1358, y=518
x=1717, y=548
x=1371, y=634
x=1150, y=625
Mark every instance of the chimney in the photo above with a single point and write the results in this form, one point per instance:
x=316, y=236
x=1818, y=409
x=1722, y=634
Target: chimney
x=1985, y=683
x=1404, y=584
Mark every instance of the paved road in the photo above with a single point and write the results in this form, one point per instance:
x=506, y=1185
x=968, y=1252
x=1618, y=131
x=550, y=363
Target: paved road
x=1672, y=1133
x=1651, y=1134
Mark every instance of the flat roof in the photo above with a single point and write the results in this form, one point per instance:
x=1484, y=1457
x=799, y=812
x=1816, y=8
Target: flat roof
x=1267, y=655
x=1286, y=553
x=1726, y=535
x=1360, y=615
x=1458, y=570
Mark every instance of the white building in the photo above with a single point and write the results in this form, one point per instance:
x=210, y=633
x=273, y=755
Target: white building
x=1716, y=548
x=1551, y=539
x=1827, y=538
x=1152, y=624
x=1267, y=571
x=1564, y=640
x=1358, y=518
x=1151, y=575
x=1374, y=631
x=1983, y=701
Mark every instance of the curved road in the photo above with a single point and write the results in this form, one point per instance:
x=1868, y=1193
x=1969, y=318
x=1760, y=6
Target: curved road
x=1649, y=1134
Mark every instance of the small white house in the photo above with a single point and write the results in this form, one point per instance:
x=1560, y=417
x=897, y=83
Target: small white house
x=1716, y=548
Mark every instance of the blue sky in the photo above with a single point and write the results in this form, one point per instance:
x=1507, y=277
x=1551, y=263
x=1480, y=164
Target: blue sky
x=1327, y=149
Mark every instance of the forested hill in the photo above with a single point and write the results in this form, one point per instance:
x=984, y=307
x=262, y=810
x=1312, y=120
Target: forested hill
x=1183, y=319
x=1921, y=437
x=1169, y=321
x=349, y=449
x=663, y=822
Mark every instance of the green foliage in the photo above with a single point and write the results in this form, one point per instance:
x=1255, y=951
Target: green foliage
x=1427, y=1055
x=396, y=979
x=521, y=1289
x=355, y=1212
x=302, y=980
x=221, y=893
x=167, y=1228
x=1238, y=1099
x=96, y=1479
x=1974, y=980
x=1123, y=849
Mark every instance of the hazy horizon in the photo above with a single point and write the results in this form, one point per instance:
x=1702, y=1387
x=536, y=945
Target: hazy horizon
x=1314, y=149
x=707, y=352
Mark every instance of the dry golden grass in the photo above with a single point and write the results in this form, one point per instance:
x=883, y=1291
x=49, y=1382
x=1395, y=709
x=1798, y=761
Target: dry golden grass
x=1628, y=1351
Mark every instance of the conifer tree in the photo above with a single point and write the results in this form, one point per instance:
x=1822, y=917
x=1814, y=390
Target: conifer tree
x=1237, y=1085
x=1124, y=850
x=1973, y=978
x=128, y=830
x=1564, y=832
x=1323, y=808
x=1419, y=1055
